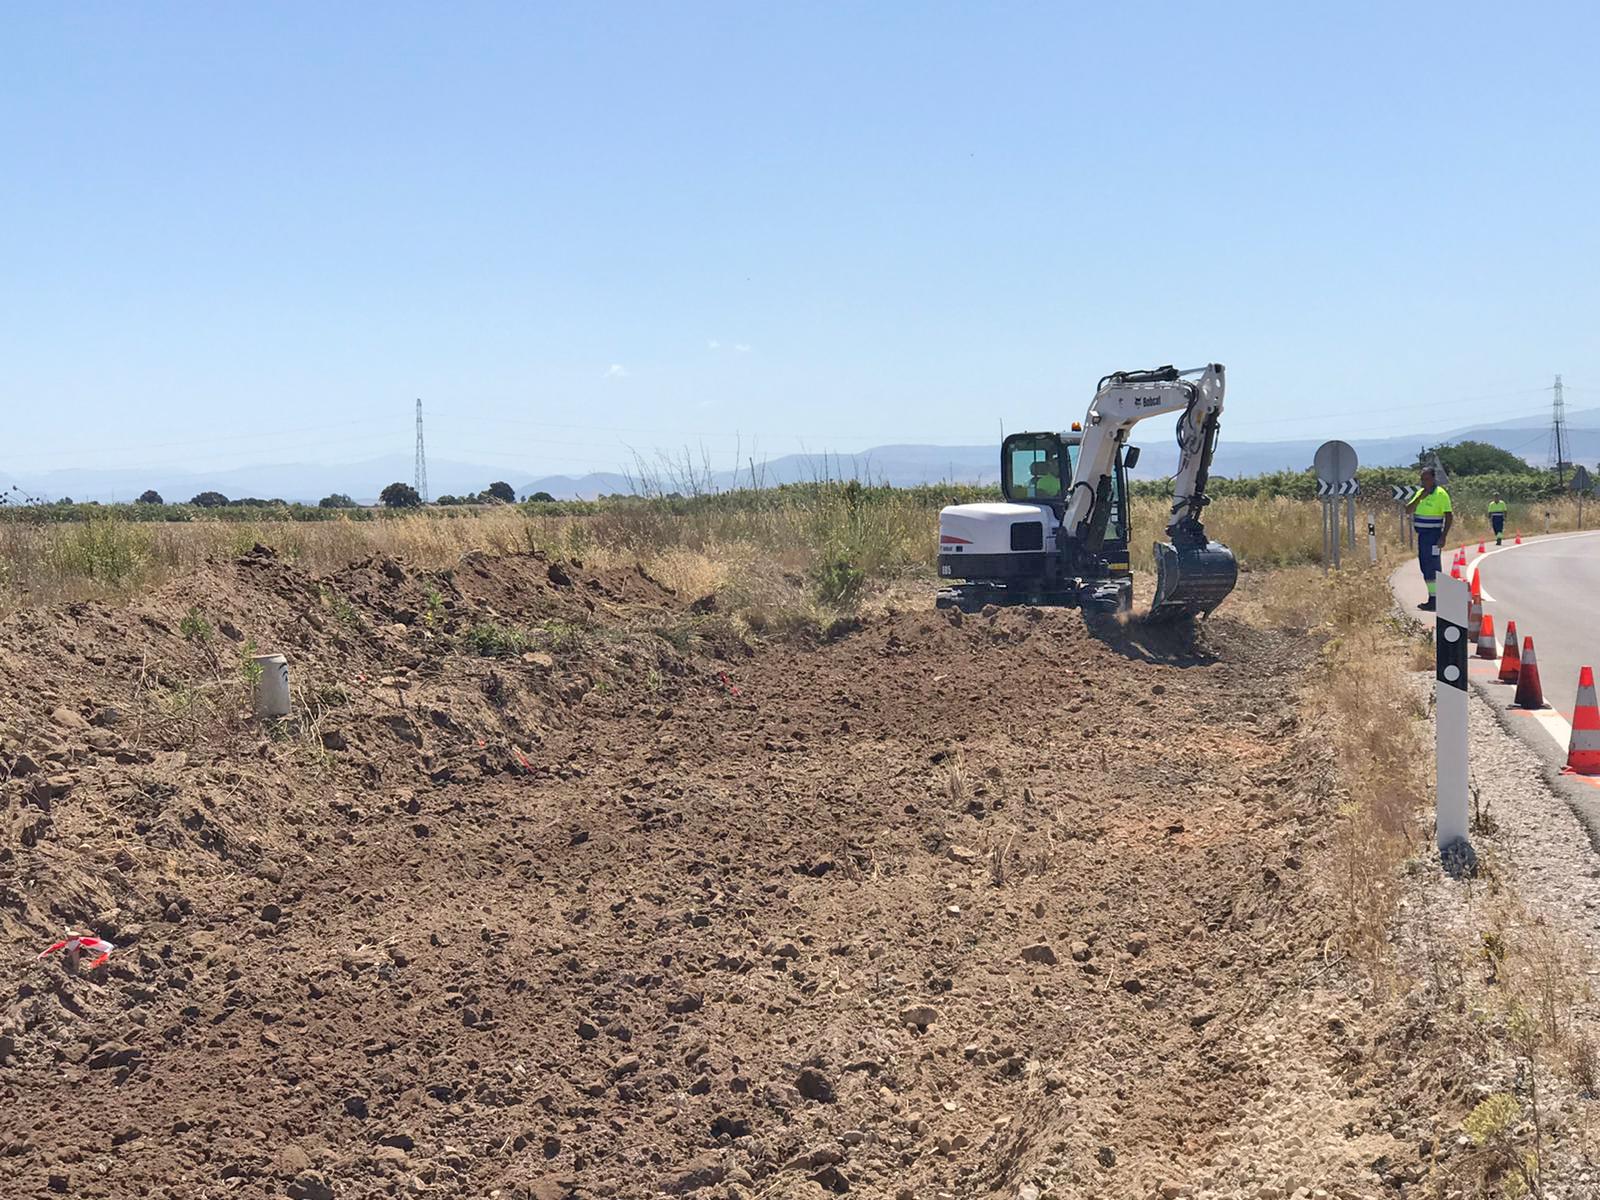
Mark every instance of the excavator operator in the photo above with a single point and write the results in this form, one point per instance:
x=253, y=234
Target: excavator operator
x=1046, y=479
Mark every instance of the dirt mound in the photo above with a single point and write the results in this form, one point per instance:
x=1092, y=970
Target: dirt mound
x=551, y=887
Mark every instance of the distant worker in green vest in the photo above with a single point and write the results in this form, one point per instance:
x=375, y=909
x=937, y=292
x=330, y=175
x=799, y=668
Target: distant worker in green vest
x=1497, y=517
x=1432, y=518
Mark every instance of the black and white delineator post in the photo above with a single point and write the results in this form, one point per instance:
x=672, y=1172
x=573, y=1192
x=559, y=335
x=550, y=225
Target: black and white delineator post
x=1450, y=640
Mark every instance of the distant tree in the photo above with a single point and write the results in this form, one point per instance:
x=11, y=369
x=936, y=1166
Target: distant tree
x=1475, y=458
x=337, y=500
x=448, y=499
x=400, y=495
x=503, y=491
x=209, y=500
x=542, y=497
x=150, y=497
x=64, y=501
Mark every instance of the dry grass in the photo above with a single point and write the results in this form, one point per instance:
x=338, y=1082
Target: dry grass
x=781, y=560
x=1363, y=697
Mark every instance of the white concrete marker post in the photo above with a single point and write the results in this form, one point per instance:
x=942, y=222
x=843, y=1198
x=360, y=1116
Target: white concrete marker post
x=1450, y=740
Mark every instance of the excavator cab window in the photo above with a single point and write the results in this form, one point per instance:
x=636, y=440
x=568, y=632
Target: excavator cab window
x=1033, y=467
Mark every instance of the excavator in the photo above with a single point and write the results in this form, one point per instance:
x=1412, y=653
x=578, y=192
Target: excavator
x=1060, y=536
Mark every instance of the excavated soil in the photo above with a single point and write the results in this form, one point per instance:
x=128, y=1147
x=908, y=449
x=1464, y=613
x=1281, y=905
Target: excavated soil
x=552, y=886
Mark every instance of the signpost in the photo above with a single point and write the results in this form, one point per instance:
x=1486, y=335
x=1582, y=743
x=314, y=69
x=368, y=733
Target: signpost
x=1335, y=464
x=1403, y=494
x=1582, y=484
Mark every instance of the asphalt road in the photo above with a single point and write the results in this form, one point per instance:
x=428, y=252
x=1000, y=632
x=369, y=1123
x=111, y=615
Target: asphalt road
x=1550, y=586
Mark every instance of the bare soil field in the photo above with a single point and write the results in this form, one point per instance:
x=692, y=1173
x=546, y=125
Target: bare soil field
x=554, y=886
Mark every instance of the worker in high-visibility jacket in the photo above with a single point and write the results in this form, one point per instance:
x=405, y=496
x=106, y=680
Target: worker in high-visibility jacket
x=1432, y=517
x=1497, y=517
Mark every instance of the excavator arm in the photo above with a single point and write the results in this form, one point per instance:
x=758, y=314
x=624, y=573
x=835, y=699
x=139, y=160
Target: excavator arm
x=1194, y=574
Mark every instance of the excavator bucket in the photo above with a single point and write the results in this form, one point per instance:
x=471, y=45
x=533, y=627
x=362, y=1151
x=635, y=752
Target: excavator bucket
x=1191, y=580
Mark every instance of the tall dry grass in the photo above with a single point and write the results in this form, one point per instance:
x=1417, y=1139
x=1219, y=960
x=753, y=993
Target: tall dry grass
x=761, y=551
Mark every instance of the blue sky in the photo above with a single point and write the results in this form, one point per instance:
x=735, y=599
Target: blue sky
x=245, y=233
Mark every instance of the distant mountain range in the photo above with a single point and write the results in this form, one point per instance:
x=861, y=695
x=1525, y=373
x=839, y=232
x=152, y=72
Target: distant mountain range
x=910, y=464
x=901, y=465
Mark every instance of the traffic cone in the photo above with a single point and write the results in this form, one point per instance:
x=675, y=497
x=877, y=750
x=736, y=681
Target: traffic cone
x=1583, y=755
x=1474, y=615
x=1510, y=661
x=1480, y=545
x=1518, y=542
x=1477, y=588
x=1455, y=570
x=1529, y=693
x=1487, y=647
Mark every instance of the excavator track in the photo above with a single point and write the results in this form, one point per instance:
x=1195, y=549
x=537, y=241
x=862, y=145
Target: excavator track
x=1191, y=580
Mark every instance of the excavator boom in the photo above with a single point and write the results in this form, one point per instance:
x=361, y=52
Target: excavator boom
x=1193, y=573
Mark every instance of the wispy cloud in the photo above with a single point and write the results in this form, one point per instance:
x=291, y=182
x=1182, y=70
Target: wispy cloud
x=713, y=344
x=741, y=347
x=616, y=371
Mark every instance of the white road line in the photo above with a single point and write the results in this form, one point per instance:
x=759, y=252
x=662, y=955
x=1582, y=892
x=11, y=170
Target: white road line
x=1552, y=722
x=1533, y=541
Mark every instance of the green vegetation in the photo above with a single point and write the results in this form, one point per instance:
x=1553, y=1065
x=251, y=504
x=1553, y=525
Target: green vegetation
x=400, y=495
x=1461, y=459
x=195, y=628
x=495, y=641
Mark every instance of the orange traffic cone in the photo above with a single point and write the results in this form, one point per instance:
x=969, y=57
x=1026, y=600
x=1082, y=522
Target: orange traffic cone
x=1487, y=646
x=1529, y=693
x=1455, y=570
x=1583, y=755
x=1474, y=616
x=1510, y=661
x=1518, y=542
x=1480, y=545
x=1477, y=588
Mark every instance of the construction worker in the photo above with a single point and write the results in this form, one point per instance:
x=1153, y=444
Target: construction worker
x=1497, y=517
x=1432, y=518
x=1046, y=482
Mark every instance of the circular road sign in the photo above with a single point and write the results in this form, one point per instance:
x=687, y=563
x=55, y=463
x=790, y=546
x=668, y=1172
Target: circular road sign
x=1335, y=462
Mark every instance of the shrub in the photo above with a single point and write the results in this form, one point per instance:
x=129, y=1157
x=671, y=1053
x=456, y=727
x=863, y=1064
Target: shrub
x=495, y=641
x=400, y=495
x=210, y=500
x=836, y=579
x=150, y=497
